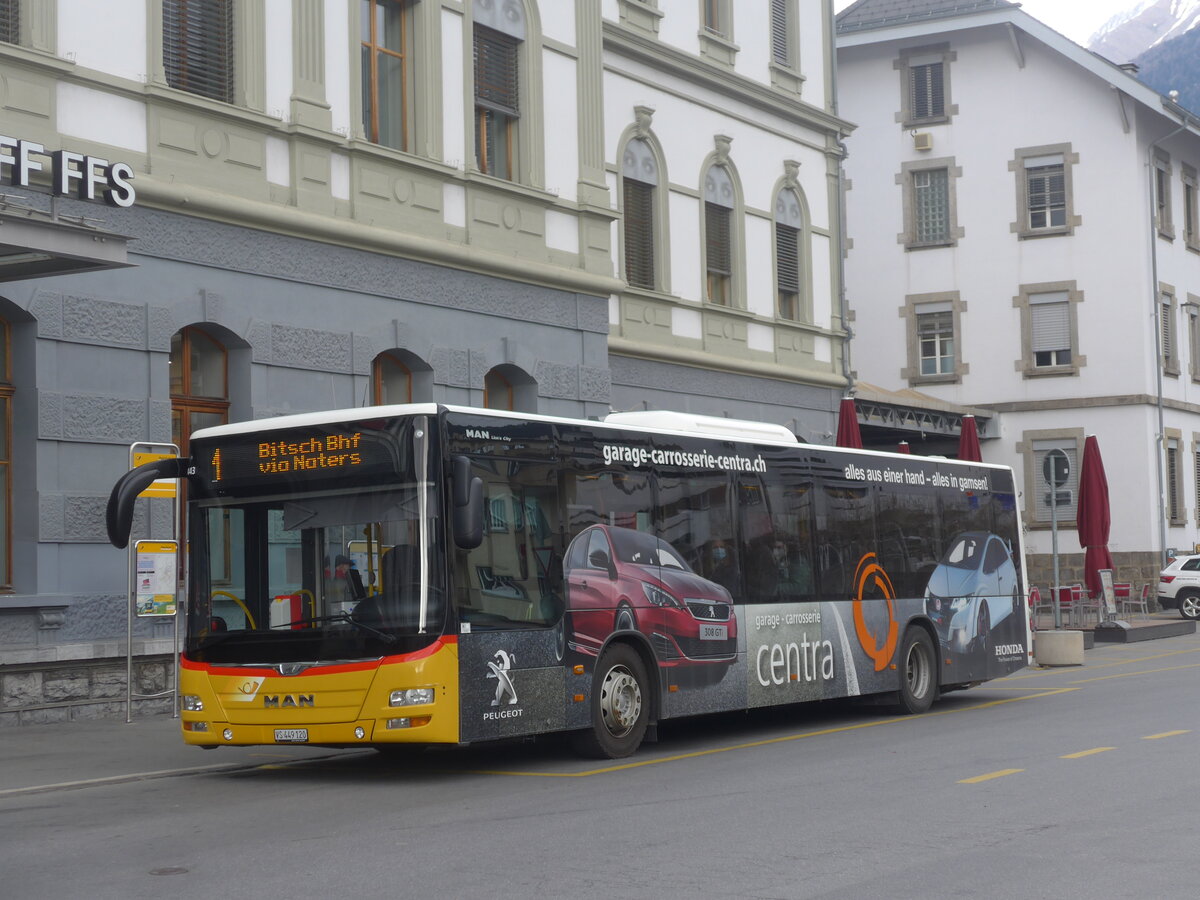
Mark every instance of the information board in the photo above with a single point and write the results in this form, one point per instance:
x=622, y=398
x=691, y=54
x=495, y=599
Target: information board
x=155, y=578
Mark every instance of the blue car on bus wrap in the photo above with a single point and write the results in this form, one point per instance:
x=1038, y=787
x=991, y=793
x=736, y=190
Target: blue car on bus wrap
x=973, y=589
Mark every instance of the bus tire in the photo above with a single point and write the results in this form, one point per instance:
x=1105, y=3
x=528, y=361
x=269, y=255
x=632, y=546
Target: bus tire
x=918, y=673
x=620, y=705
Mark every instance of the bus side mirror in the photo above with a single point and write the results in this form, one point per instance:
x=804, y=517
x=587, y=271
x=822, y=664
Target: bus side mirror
x=118, y=517
x=466, y=495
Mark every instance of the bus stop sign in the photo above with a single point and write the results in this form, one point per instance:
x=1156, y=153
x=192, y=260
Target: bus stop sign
x=1056, y=468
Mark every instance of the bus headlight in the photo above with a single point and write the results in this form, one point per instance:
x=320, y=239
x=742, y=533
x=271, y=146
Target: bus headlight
x=192, y=703
x=411, y=697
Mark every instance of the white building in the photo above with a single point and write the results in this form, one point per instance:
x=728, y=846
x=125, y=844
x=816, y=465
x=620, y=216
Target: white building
x=1024, y=238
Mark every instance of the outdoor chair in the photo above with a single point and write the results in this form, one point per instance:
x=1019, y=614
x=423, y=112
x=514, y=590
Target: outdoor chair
x=1085, y=605
x=1139, y=601
x=1037, y=605
x=1122, y=594
x=1066, y=603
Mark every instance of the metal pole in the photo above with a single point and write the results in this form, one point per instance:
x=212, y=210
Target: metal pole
x=1054, y=551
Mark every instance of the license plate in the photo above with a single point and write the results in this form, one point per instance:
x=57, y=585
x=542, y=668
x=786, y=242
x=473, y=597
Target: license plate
x=714, y=632
x=291, y=735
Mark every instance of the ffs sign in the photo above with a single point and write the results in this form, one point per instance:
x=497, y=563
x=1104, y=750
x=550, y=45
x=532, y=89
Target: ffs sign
x=86, y=177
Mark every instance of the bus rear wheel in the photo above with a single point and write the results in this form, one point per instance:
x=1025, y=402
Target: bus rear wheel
x=918, y=673
x=620, y=705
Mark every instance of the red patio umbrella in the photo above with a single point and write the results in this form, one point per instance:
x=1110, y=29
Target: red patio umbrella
x=1093, y=518
x=903, y=447
x=968, y=441
x=848, y=434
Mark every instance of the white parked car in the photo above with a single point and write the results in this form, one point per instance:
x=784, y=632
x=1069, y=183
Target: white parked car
x=1179, y=586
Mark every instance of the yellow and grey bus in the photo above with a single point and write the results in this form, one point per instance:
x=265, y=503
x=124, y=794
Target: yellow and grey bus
x=426, y=574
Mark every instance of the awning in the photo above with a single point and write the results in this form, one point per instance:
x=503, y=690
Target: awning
x=34, y=244
x=887, y=417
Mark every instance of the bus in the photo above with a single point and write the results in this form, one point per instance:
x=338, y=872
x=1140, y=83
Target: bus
x=429, y=574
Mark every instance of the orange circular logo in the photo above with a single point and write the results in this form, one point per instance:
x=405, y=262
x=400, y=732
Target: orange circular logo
x=870, y=573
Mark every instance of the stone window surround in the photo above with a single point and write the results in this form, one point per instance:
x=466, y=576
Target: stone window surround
x=1167, y=298
x=1164, y=223
x=718, y=47
x=1025, y=365
x=905, y=180
x=788, y=77
x=528, y=165
x=1017, y=165
x=1034, y=484
x=1196, y=473
x=250, y=78
x=642, y=130
x=909, y=312
x=640, y=15
x=790, y=182
x=903, y=65
x=1178, y=515
x=39, y=26
x=1191, y=308
x=1188, y=174
x=737, y=227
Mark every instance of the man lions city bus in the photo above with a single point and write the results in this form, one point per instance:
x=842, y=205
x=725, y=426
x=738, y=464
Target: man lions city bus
x=430, y=574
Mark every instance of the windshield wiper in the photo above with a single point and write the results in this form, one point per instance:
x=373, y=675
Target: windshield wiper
x=343, y=617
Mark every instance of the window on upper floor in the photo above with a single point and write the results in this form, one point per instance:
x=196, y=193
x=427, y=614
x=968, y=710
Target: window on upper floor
x=1174, y=478
x=930, y=219
x=639, y=183
x=933, y=322
x=785, y=46
x=385, y=43
x=498, y=35
x=1192, y=308
x=716, y=31
x=198, y=47
x=925, y=86
x=1044, y=194
x=931, y=206
x=718, y=236
x=199, y=372
x=1167, y=313
x=10, y=21
x=1191, y=221
x=790, y=272
x=1049, y=329
x=1162, y=196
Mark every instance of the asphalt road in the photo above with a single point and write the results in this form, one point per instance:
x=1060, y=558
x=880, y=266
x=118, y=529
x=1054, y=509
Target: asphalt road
x=1053, y=783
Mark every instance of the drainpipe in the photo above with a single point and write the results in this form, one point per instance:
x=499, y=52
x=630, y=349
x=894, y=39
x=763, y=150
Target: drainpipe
x=843, y=305
x=1161, y=439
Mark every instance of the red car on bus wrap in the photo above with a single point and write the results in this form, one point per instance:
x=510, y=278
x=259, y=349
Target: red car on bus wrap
x=619, y=579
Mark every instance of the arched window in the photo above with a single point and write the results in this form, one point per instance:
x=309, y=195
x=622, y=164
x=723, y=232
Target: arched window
x=497, y=391
x=639, y=179
x=499, y=31
x=392, y=380
x=6, y=408
x=199, y=384
x=789, y=261
x=719, y=202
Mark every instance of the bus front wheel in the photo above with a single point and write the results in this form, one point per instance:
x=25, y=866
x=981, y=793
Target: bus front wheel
x=620, y=705
x=918, y=672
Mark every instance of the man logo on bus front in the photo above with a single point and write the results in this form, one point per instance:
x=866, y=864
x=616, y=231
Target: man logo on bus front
x=499, y=671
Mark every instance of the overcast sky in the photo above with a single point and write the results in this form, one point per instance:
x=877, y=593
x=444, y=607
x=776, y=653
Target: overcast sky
x=1077, y=19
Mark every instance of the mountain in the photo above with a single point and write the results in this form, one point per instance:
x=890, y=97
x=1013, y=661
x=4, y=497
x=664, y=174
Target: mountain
x=1162, y=38
x=1174, y=66
x=1150, y=23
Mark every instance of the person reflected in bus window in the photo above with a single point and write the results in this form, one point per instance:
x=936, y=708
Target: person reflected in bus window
x=347, y=583
x=724, y=569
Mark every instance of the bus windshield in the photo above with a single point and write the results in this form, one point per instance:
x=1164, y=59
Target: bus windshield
x=310, y=577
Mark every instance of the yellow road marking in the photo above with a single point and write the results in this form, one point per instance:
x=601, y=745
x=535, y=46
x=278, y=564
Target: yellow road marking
x=990, y=775
x=1132, y=674
x=1155, y=737
x=1054, y=670
x=768, y=741
x=1083, y=753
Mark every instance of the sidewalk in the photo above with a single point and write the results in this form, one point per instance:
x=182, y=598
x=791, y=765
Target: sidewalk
x=75, y=754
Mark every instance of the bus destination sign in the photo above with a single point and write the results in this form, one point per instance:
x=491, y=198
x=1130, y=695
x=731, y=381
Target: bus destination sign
x=312, y=454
